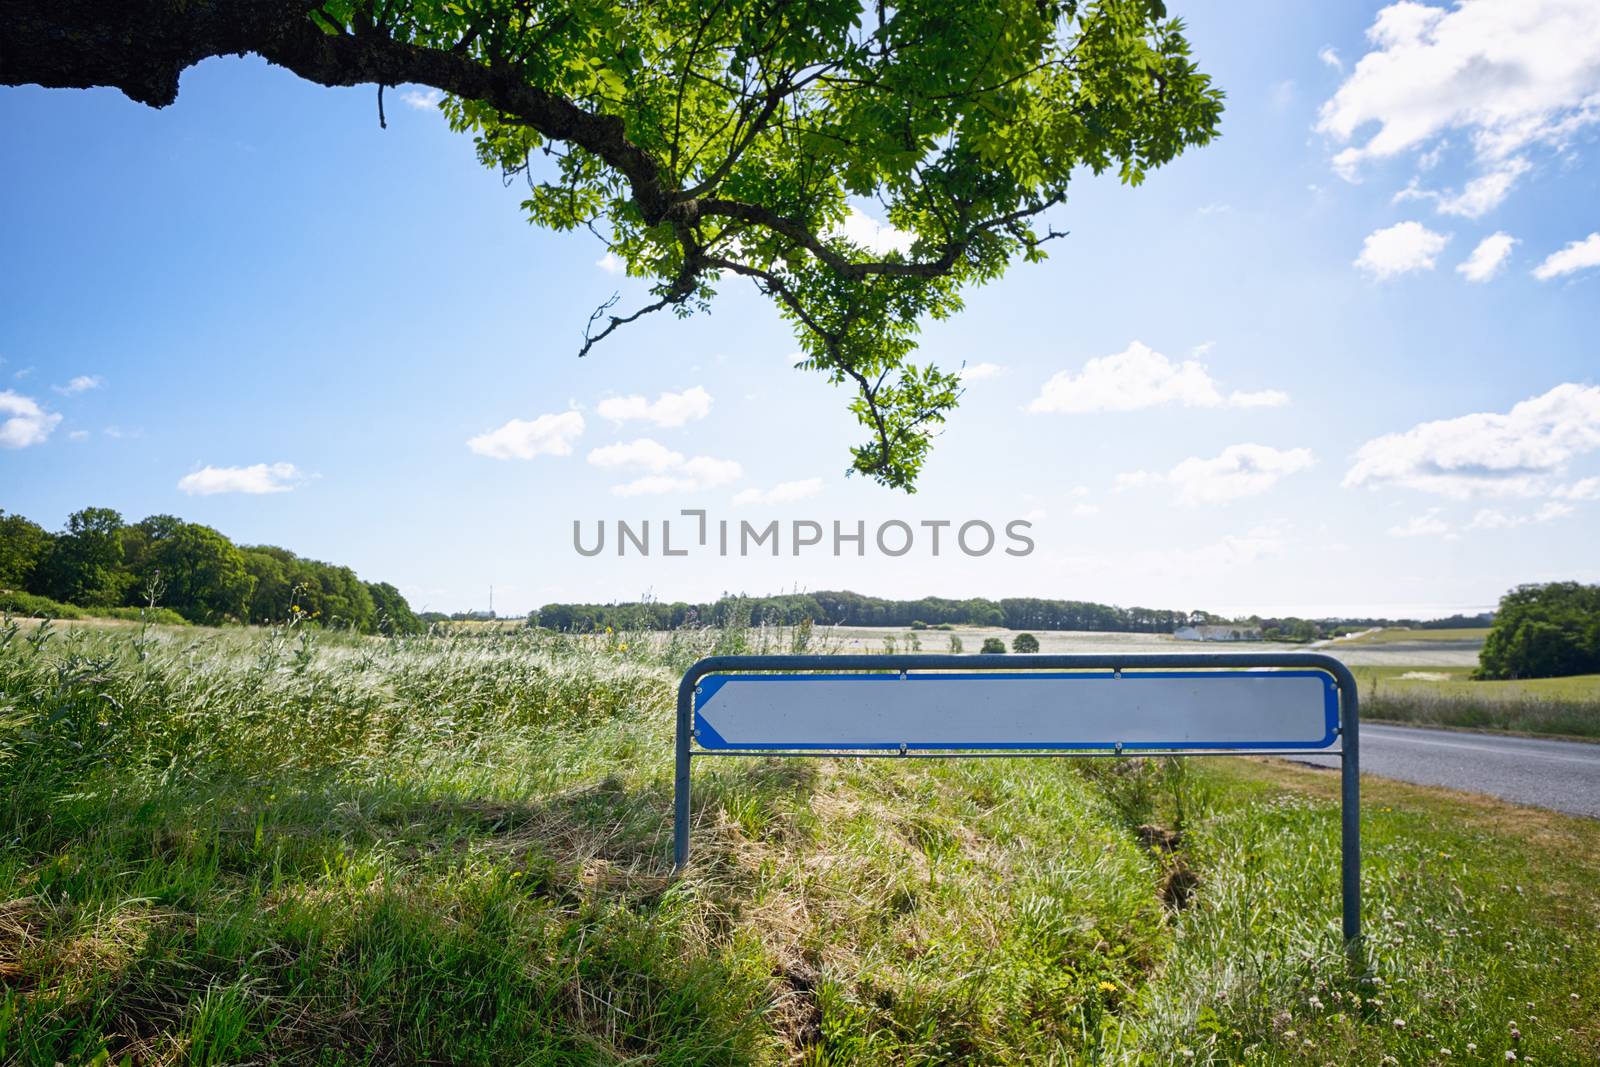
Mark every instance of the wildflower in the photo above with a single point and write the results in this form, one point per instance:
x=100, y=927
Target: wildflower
x=1316, y=1005
x=1510, y=1055
x=1445, y=1053
x=1108, y=987
x=1399, y=1024
x=1472, y=1046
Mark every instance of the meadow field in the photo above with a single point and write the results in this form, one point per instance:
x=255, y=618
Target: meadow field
x=291, y=846
x=1423, y=677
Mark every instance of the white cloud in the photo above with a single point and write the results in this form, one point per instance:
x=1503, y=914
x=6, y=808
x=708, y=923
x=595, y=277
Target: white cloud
x=1428, y=525
x=1136, y=378
x=642, y=453
x=1509, y=73
x=701, y=472
x=1494, y=519
x=1584, y=489
x=979, y=371
x=1233, y=550
x=707, y=472
x=668, y=409
x=422, y=99
x=81, y=384
x=879, y=238
x=1237, y=471
x=78, y=435
x=1083, y=511
x=782, y=493
x=1488, y=453
x=1331, y=58
x=1262, y=398
x=668, y=471
x=611, y=263
x=256, y=479
x=1488, y=258
x=547, y=435
x=1135, y=480
x=1484, y=193
x=27, y=424
x=1576, y=256
x=654, y=484
x=1477, y=198
x=1397, y=249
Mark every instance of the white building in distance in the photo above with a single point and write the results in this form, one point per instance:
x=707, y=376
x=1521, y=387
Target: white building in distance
x=1217, y=632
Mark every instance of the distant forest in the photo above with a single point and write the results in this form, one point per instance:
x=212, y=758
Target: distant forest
x=854, y=609
x=101, y=562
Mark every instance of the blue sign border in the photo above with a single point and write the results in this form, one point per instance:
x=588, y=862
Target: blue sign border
x=709, y=738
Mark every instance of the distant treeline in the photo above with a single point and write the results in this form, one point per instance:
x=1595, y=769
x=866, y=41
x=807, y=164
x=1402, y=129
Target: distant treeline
x=853, y=609
x=99, y=561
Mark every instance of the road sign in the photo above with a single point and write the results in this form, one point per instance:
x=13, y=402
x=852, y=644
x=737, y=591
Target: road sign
x=937, y=706
x=1035, y=710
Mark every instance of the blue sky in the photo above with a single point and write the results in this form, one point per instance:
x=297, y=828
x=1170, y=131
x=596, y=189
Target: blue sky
x=1216, y=393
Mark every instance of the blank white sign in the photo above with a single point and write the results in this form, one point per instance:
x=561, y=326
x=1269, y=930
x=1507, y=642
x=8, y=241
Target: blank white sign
x=1177, y=710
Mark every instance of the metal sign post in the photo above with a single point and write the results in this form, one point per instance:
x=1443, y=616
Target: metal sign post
x=1180, y=704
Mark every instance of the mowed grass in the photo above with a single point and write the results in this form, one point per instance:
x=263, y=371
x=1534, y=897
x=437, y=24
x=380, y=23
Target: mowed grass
x=290, y=847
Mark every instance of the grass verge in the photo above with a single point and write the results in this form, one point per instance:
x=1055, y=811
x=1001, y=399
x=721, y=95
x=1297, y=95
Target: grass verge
x=299, y=848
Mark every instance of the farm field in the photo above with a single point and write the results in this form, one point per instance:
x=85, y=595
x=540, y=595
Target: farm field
x=1458, y=650
x=1393, y=636
x=298, y=847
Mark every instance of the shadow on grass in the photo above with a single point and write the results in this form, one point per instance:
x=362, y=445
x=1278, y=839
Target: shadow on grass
x=325, y=921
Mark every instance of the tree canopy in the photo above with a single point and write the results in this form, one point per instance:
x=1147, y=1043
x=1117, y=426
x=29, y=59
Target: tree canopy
x=705, y=142
x=1544, y=631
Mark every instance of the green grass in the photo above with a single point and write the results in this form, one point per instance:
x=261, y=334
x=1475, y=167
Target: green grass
x=1441, y=696
x=1390, y=636
x=286, y=846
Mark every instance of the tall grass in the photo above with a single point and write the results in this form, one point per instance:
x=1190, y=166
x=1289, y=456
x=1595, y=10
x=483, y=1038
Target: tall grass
x=306, y=847
x=1451, y=697
x=1532, y=715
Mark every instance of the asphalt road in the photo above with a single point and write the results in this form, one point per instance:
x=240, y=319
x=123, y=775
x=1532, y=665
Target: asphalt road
x=1561, y=775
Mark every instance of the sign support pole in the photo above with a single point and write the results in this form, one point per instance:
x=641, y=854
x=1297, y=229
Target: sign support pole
x=1349, y=731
